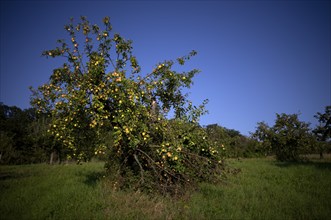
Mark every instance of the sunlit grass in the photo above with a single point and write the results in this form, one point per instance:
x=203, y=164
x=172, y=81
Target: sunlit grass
x=51, y=192
x=264, y=189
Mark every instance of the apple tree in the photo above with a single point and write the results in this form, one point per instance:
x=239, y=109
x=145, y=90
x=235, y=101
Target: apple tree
x=100, y=103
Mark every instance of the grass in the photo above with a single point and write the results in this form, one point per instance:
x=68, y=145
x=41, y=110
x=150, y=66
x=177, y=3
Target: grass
x=264, y=189
x=51, y=192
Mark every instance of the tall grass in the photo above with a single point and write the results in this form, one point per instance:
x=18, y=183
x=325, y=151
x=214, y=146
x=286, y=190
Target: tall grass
x=51, y=192
x=264, y=189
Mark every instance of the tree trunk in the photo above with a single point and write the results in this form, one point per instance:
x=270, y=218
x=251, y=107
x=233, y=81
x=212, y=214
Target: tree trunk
x=51, y=158
x=321, y=155
x=59, y=159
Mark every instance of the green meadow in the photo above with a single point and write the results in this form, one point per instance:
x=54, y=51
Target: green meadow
x=263, y=189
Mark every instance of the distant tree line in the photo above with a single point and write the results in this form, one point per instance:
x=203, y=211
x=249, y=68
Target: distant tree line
x=235, y=144
x=288, y=139
x=24, y=138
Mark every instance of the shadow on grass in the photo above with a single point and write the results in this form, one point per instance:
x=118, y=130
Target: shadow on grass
x=14, y=175
x=322, y=165
x=92, y=178
x=6, y=176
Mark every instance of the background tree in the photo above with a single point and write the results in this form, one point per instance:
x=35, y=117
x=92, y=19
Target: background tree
x=323, y=130
x=99, y=103
x=43, y=142
x=263, y=136
x=288, y=138
x=232, y=142
x=16, y=146
x=7, y=148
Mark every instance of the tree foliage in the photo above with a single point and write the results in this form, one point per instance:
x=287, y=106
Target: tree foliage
x=99, y=103
x=287, y=139
x=323, y=130
x=290, y=137
x=17, y=145
x=233, y=143
x=263, y=135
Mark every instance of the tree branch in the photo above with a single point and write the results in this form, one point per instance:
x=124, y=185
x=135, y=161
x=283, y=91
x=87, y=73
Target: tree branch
x=141, y=168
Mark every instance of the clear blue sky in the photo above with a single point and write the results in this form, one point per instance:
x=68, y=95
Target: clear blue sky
x=257, y=58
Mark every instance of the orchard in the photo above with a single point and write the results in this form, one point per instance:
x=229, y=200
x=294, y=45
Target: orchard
x=100, y=104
